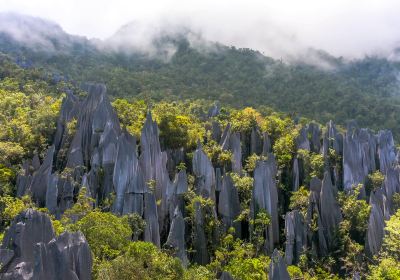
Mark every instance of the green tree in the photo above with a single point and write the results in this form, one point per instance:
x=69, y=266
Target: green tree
x=142, y=260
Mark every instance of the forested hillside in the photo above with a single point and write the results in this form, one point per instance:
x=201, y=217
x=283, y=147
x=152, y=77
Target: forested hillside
x=187, y=190
x=323, y=88
x=211, y=163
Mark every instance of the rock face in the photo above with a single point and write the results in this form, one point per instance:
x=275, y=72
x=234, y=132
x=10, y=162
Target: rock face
x=41, y=179
x=295, y=175
x=302, y=141
x=386, y=150
x=359, y=148
x=204, y=174
x=229, y=205
x=265, y=197
x=376, y=228
x=315, y=137
x=296, y=236
x=176, y=237
x=237, y=153
x=330, y=210
x=277, y=268
x=200, y=242
x=128, y=179
x=30, y=250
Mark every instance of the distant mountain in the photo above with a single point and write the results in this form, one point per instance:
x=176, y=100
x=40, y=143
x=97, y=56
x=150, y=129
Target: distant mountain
x=177, y=63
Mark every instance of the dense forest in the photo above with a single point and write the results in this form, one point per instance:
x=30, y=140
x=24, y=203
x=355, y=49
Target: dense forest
x=330, y=88
x=201, y=167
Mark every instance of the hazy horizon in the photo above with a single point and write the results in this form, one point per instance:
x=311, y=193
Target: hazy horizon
x=290, y=28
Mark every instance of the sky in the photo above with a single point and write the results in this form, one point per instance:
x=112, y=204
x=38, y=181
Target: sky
x=277, y=28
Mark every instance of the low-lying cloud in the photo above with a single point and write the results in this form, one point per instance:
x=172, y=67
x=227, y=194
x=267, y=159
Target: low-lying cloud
x=287, y=29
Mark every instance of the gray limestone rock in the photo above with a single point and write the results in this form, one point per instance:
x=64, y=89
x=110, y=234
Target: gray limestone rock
x=204, y=174
x=330, y=210
x=386, y=150
x=265, y=196
x=176, y=237
x=315, y=137
x=266, y=144
x=153, y=164
x=42, y=178
x=151, y=232
x=229, y=205
x=295, y=175
x=376, y=228
x=296, y=236
x=200, y=242
x=226, y=276
x=224, y=142
x=236, y=149
x=358, y=156
x=391, y=184
x=302, y=141
x=27, y=229
x=277, y=267
x=96, y=112
x=332, y=140
x=256, y=143
x=127, y=175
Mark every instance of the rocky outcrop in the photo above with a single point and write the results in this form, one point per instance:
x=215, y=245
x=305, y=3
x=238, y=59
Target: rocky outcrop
x=332, y=140
x=277, y=267
x=267, y=146
x=204, y=174
x=296, y=236
x=359, y=148
x=153, y=163
x=315, y=137
x=128, y=179
x=391, y=185
x=386, y=150
x=226, y=276
x=330, y=210
x=376, y=228
x=302, y=141
x=176, y=237
x=265, y=197
x=295, y=175
x=229, y=205
x=30, y=250
x=200, y=241
x=256, y=142
x=42, y=179
x=65, y=257
x=236, y=149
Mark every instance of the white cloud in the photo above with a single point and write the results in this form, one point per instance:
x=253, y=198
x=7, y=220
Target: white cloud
x=285, y=28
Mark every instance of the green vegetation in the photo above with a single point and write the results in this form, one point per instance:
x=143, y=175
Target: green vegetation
x=30, y=101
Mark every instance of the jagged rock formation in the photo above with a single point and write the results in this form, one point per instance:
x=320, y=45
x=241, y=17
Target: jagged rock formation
x=226, y=276
x=277, y=267
x=315, y=137
x=203, y=171
x=30, y=250
x=386, y=150
x=200, y=241
x=229, y=205
x=376, y=228
x=91, y=150
x=302, y=142
x=295, y=175
x=296, y=236
x=265, y=197
x=359, y=148
x=236, y=148
x=176, y=237
x=330, y=210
